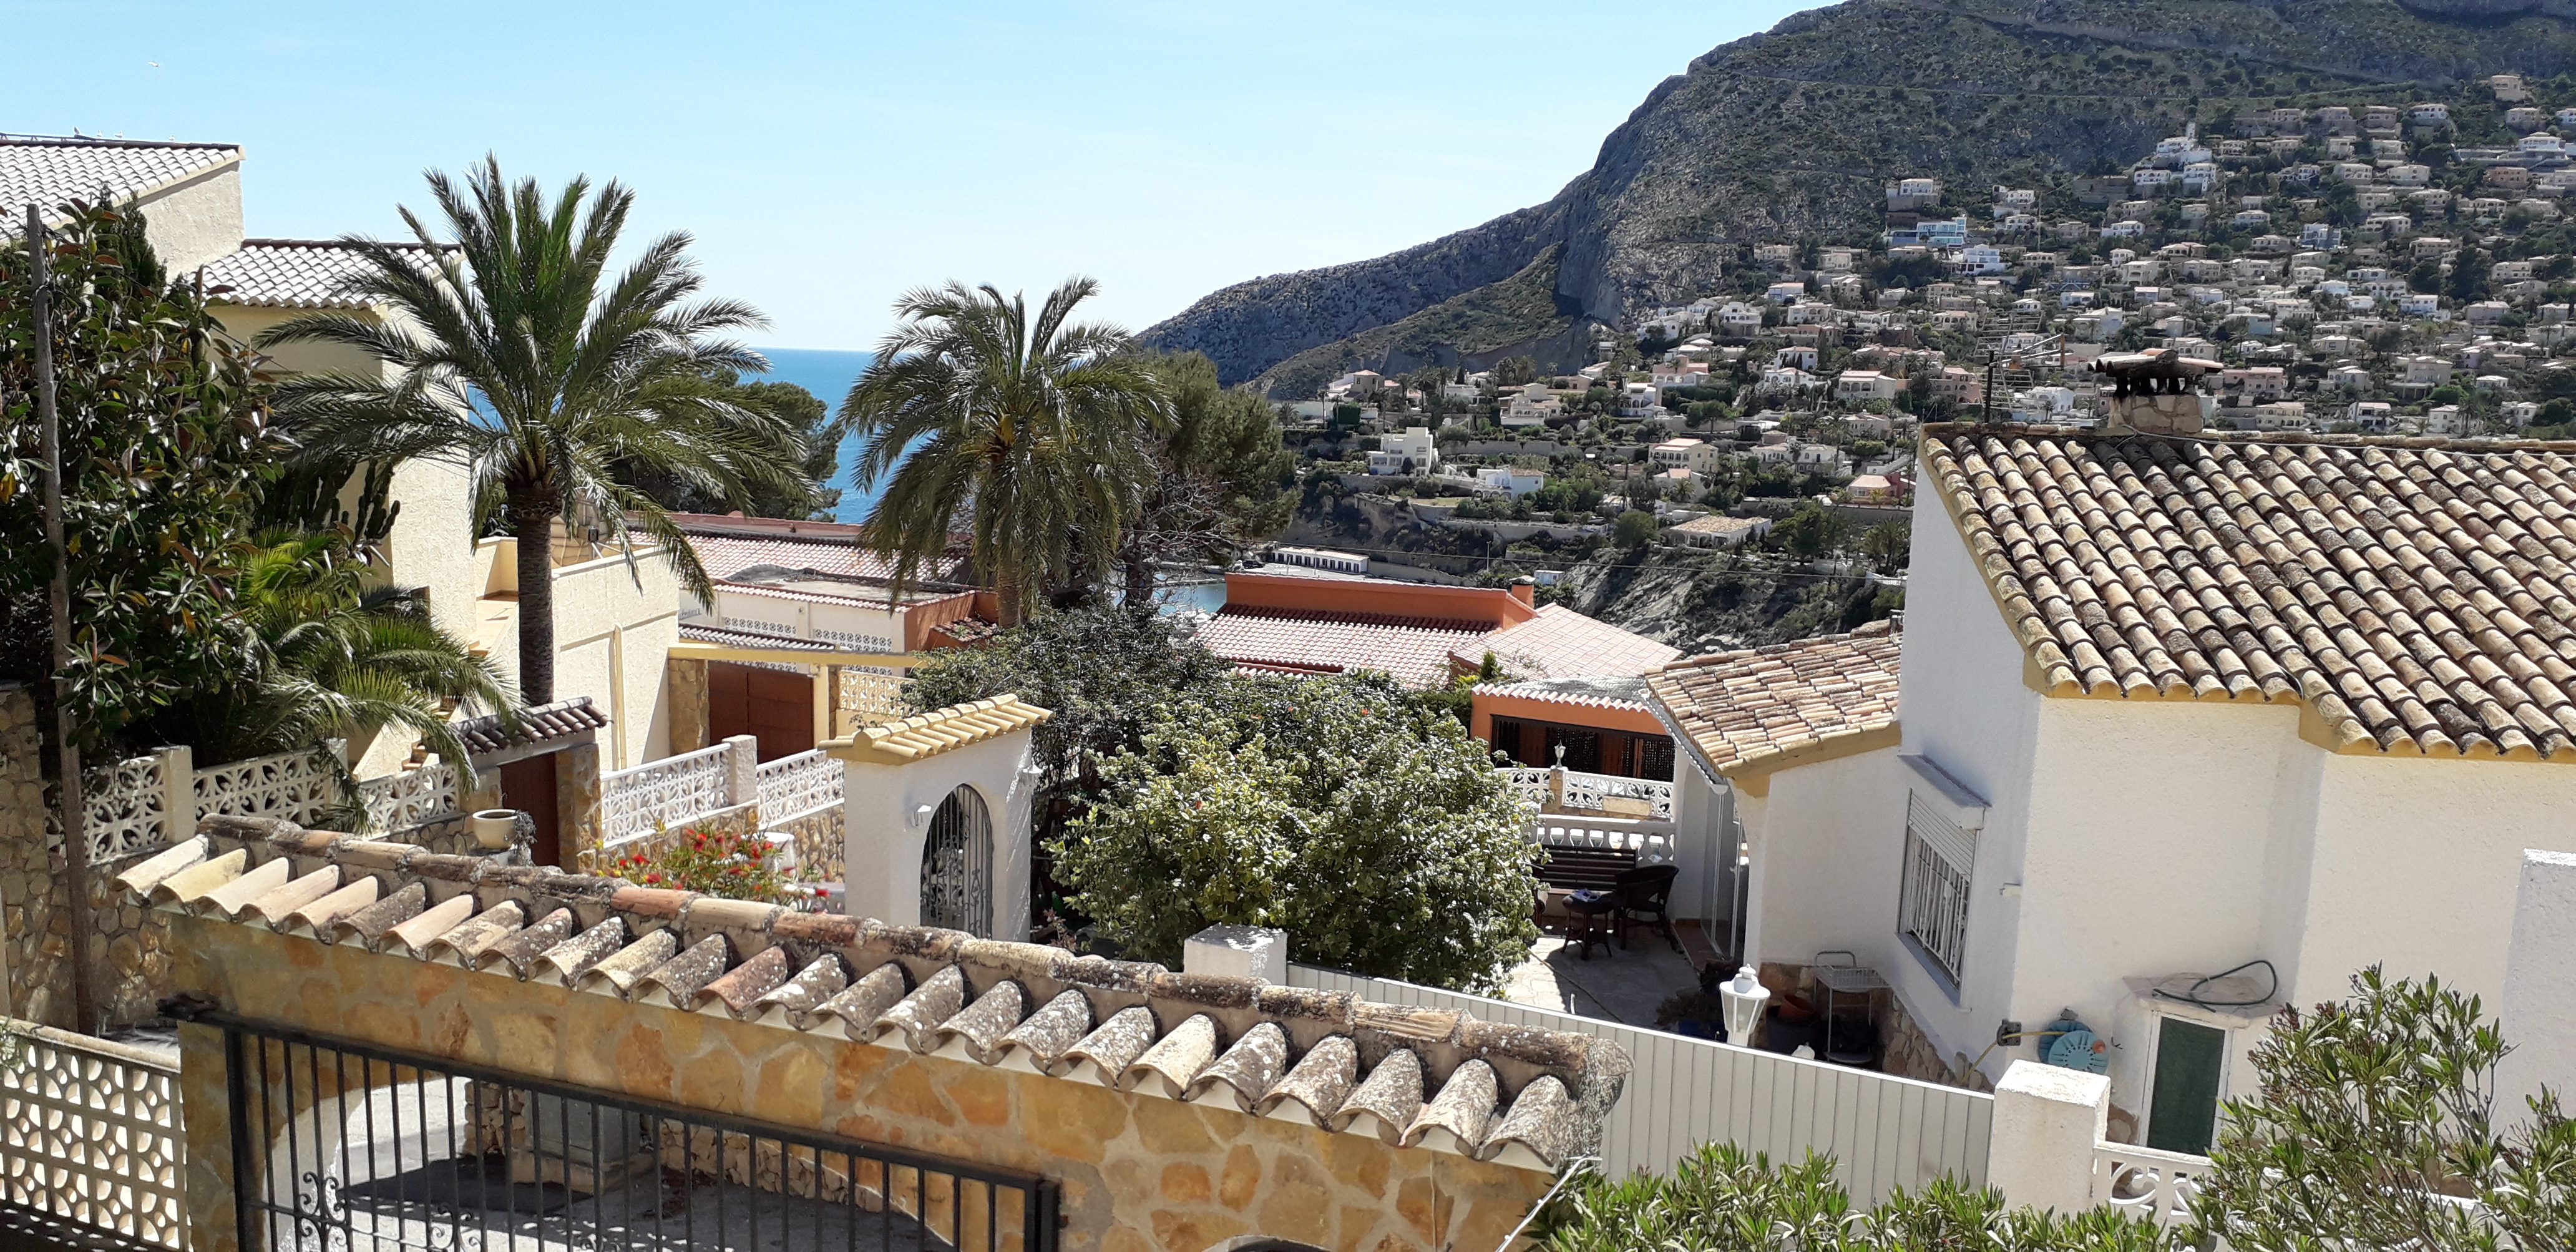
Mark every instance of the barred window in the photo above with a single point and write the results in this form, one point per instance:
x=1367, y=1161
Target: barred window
x=1940, y=862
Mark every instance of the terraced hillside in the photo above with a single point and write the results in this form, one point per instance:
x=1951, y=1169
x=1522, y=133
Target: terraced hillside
x=1795, y=133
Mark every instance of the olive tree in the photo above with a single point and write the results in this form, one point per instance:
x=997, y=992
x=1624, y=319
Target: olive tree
x=1370, y=828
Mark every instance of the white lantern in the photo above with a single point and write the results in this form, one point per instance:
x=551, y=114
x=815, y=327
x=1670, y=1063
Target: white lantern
x=1744, y=995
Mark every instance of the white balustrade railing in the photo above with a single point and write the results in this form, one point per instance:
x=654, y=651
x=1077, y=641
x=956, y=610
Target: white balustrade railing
x=867, y=697
x=412, y=797
x=1599, y=793
x=1651, y=840
x=2147, y=1182
x=672, y=792
x=147, y=802
x=90, y=1132
x=793, y=786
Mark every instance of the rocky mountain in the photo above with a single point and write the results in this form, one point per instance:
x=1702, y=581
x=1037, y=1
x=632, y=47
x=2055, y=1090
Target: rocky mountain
x=1794, y=133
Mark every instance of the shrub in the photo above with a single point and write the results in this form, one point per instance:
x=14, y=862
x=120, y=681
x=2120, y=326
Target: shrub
x=1372, y=829
x=717, y=863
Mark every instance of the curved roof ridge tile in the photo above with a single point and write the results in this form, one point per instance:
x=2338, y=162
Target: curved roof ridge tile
x=1297, y=1054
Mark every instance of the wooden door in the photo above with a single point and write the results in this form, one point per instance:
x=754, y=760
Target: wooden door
x=528, y=785
x=771, y=705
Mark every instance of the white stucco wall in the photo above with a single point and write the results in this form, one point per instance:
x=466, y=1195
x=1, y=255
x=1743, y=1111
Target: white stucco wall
x=804, y=618
x=2416, y=867
x=885, y=834
x=1963, y=705
x=196, y=221
x=1828, y=843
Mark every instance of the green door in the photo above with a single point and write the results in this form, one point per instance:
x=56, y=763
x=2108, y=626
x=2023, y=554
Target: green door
x=2183, y=1114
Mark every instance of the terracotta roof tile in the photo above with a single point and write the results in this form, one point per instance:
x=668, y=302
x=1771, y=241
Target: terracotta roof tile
x=48, y=170
x=1562, y=643
x=944, y=730
x=296, y=273
x=2418, y=594
x=574, y=718
x=1413, y=649
x=1740, y=710
x=1426, y=1080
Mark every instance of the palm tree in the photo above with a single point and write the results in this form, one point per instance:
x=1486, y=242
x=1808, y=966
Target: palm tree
x=1034, y=433
x=321, y=652
x=514, y=354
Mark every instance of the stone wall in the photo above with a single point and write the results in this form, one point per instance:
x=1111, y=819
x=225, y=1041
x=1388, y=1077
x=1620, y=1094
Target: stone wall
x=688, y=685
x=1138, y=1173
x=37, y=943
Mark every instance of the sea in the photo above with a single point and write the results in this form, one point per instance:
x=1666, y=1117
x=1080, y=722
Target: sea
x=827, y=373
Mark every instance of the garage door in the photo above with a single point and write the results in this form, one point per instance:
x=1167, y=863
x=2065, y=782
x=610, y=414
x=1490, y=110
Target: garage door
x=773, y=706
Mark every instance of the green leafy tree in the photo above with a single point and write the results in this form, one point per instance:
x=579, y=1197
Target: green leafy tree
x=1888, y=546
x=2373, y=1119
x=322, y=650
x=1221, y=477
x=1032, y=435
x=1635, y=529
x=520, y=357
x=1376, y=833
x=165, y=434
x=1103, y=671
x=1810, y=530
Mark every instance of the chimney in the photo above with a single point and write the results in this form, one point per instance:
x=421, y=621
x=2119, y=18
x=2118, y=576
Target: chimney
x=1525, y=590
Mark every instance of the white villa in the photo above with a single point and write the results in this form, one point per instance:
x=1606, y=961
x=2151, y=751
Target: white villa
x=2277, y=706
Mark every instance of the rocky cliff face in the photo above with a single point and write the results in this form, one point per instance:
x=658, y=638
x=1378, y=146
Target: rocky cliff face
x=1796, y=132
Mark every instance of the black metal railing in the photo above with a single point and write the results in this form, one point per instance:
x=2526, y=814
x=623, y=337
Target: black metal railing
x=344, y=1145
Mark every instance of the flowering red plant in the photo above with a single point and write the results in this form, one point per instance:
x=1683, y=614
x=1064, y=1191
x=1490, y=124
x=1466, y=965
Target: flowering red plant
x=717, y=863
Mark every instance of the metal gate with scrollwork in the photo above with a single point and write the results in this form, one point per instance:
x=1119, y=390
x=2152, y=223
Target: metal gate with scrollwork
x=957, y=865
x=342, y=1145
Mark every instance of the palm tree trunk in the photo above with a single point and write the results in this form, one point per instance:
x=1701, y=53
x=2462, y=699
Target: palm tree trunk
x=533, y=522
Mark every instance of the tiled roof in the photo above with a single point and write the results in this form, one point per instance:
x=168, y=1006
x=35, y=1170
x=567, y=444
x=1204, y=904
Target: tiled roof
x=297, y=273
x=1413, y=649
x=541, y=723
x=1561, y=643
x=1759, y=709
x=1720, y=524
x=2418, y=595
x=46, y=170
x=727, y=555
x=943, y=730
x=1436, y=1079
x=1590, y=692
x=755, y=639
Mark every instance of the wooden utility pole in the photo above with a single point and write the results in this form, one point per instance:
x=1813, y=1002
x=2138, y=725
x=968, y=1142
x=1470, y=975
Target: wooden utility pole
x=71, y=809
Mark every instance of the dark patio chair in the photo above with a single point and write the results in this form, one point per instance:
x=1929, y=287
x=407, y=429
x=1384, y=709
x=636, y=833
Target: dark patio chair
x=1645, y=898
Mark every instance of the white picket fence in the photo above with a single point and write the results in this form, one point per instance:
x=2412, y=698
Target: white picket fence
x=151, y=801
x=1883, y=1132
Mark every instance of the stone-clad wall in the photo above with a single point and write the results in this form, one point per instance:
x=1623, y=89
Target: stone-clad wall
x=1139, y=1173
x=38, y=940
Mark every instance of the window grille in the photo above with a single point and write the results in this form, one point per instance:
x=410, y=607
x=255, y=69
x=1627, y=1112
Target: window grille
x=1940, y=862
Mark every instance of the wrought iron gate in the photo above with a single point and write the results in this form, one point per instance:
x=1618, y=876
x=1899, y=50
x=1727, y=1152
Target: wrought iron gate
x=957, y=865
x=342, y=1145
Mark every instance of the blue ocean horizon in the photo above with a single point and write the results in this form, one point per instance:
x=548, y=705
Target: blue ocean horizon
x=827, y=373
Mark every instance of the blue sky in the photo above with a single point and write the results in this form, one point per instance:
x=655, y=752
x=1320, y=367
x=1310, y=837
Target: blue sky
x=827, y=157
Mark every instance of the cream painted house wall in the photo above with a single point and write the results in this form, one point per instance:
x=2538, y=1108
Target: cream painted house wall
x=614, y=627
x=196, y=221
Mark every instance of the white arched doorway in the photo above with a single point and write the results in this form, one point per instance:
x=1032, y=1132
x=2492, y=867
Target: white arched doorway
x=957, y=865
